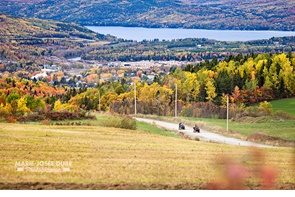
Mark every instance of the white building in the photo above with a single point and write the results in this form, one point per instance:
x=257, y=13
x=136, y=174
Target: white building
x=40, y=75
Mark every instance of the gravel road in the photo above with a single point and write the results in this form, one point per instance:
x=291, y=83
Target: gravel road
x=203, y=135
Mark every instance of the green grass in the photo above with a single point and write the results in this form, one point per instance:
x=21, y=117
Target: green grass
x=266, y=125
x=153, y=129
x=286, y=105
x=101, y=118
x=284, y=129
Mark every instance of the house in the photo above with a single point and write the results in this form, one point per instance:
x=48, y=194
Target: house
x=39, y=75
x=151, y=77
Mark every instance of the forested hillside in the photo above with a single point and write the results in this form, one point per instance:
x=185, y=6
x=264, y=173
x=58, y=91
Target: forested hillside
x=28, y=42
x=247, y=78
x=16, y=28
x=210, y=14
x=25, y=43
x=202, y=90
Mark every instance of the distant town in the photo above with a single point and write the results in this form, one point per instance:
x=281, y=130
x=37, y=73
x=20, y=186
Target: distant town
x=76, y=72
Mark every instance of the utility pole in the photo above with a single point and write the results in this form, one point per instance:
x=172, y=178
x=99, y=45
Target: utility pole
x=175, y=100
x=227, y=103
x=134, y=98
x=98, y=101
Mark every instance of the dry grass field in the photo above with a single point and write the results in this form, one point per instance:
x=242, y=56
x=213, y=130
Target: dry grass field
x=95, y=157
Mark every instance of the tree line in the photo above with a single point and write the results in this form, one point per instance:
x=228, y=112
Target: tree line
x=202, y=89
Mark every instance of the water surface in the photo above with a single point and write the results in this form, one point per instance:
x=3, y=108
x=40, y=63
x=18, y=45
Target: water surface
x=139, y=33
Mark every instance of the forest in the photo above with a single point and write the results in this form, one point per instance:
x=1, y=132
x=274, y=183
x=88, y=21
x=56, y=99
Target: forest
x=210, y=14
x=26, y=43
x=260, y=71
x=202, y=90
x=189, y=49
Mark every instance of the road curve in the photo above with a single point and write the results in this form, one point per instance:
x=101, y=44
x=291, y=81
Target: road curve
x=204, y=135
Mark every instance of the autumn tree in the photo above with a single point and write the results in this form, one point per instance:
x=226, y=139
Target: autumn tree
x=22, y=105
x=106, y=100
x=210, y=90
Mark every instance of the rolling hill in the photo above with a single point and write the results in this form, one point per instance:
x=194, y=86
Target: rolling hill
x=26, y=42
x=211, y=14
x=17, y=28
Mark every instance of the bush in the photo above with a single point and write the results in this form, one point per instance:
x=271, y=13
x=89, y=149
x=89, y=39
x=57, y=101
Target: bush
x=124, y=122
x=204, y=110
x=32, y=117
x=128, y=123
x=46, y=122
x=71, y=124
x=284, y=115
x=187, y=111
x=3, y=115
x=266, y=107
x=55, y=116
x=112, y=122
x=11, y=119
x=253, y=112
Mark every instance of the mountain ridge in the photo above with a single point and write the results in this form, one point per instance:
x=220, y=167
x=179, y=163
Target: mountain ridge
x=196, y=14
x=17, y=27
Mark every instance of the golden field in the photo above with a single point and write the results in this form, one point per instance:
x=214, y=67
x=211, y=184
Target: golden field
x=112, y=158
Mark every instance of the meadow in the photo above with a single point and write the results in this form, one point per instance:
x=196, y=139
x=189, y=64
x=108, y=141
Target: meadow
x=286, y=105
x=114, y=158
x=250, y=126
x=277, y=129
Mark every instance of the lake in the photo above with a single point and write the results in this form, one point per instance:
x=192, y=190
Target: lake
x=139, y=33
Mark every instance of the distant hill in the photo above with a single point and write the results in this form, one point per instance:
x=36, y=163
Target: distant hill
x=19, y=28
x=27, y=42
x=201, y=14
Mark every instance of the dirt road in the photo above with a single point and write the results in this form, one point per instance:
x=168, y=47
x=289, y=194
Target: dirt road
x=203, y=135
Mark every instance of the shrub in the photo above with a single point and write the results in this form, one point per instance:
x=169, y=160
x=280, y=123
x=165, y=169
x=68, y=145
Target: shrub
x=214, y=116
x=11, y=119
x=284, y=115
x=254, y=112
x=31, y=117
x=128, y=123
x=266, y=107
x=112, y=122
x=3, y=115
x=65, y=115
x=204, y=110
x=46, y=122
x=55, y=116
x=124, y=122
x=187, y=111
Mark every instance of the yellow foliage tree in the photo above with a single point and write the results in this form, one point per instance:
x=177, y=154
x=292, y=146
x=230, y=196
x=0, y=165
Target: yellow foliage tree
x=106, y=99
x=22, y=105
x=287, y=71
x=210, y=89
x=58, y=106
x=6, y=108
x=92, y=78
x=191, y=86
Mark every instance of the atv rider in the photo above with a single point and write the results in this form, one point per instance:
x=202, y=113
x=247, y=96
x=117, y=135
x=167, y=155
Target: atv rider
x=181, y=126
x=196, y=129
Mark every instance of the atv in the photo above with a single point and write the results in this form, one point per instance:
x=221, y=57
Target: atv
x=196, y=129
x=181, y=126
